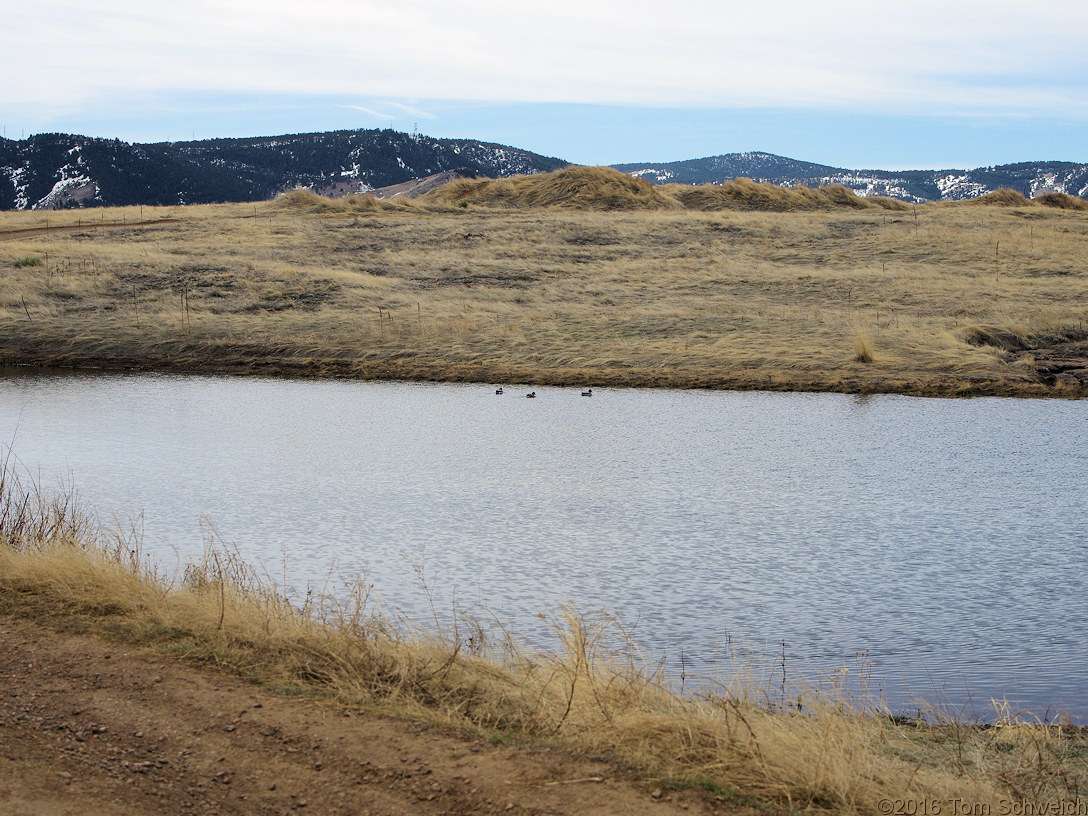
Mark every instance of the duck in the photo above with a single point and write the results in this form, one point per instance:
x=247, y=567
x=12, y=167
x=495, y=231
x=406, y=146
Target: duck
x=588, y=392
x=530, y=395
x=498, y=390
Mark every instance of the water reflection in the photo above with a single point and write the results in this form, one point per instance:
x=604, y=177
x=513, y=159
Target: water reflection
x=943, y=541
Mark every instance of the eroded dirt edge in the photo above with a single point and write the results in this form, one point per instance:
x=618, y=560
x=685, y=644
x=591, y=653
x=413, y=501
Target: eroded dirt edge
x=92, y=728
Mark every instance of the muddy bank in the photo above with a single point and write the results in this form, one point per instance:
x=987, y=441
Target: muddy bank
x=1060, y=374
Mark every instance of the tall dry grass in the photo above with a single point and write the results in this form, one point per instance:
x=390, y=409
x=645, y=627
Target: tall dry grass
x=593, y=693
x=863, y=346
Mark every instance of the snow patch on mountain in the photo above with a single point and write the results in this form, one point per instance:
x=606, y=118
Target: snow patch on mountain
x=653, y=175
x=68, y=188
x=869, y=186
x=960, y=187
x=18, y=181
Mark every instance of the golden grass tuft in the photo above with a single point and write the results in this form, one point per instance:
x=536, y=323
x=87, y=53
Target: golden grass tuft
x=305, y=199
x=863, y=346
x=1061, y=201
x=584, y=188
x=593, y=694
x=1005, y=197
x=301, y=197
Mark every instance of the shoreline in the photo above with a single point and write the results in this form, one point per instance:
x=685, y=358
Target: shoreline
x=222, y=624
x=950, y=388
x=157, y=680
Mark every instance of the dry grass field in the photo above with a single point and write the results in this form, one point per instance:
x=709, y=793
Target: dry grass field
x=581, y=277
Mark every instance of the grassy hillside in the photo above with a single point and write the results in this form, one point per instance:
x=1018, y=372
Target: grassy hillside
x=583, y=276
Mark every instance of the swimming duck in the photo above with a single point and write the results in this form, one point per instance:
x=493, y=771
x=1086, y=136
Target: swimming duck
x=530, y=395
x=498, y=390
x=588, y=392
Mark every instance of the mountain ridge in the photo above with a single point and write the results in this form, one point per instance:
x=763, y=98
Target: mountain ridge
x=913, y=186
x=57, y=170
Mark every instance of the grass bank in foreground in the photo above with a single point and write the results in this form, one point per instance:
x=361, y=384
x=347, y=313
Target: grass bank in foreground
x=57, y=565
x=582, y=277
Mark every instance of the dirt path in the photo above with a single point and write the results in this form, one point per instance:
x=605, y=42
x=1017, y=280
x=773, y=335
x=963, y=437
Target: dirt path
x=32, y=232
x=90, y=728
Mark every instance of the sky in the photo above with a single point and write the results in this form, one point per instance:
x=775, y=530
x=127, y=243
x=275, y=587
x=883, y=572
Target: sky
x=925, y=84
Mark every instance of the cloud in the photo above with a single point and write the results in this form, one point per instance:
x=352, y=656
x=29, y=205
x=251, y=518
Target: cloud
x=368, y=111
x=412, y=111
x=929, y=56
x=389, y=111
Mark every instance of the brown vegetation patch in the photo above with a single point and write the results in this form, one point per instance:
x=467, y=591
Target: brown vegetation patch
x=997, y=337
x=470, y=279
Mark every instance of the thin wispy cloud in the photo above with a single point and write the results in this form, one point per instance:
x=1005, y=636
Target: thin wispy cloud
x=391, y=112
x=926, y=55
x=409, y=110
x=368, y=111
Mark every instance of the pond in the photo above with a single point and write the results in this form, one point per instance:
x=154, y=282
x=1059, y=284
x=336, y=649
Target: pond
x=920, y=549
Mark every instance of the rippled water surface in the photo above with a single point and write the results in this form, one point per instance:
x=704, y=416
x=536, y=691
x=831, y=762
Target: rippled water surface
x=947, y=539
